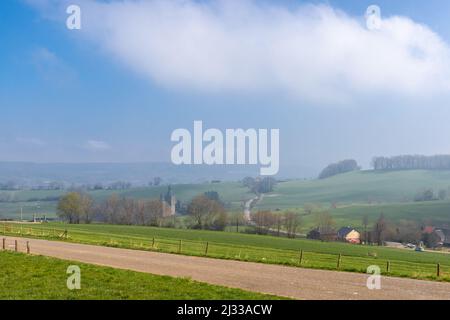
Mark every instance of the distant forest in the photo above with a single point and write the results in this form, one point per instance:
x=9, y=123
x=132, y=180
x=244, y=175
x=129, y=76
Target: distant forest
x=408, y=162
x=404, y=162
x=338, y=168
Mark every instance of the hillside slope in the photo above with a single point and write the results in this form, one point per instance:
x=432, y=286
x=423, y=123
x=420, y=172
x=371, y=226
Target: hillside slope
x=366, y=187
x=354, y=194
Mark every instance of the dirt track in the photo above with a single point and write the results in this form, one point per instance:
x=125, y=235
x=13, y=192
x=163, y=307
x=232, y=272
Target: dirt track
x=279, y=280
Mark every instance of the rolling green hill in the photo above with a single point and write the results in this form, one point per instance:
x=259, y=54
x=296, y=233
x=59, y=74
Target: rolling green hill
x=348, y=196
x=357, y=187
x=36, y=202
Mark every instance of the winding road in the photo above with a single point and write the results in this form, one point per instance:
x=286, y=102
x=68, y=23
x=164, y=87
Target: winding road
x=248, y=206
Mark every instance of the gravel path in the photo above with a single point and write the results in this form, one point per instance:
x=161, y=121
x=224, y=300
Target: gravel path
x=273, y=279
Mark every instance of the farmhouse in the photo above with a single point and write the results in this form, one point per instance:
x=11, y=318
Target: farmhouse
x=349, y=234
x=444, y=234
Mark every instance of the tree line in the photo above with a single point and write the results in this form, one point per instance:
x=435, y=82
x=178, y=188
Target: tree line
x=409, y=162
x=259, y=185
x=338, y=168
x=205, y=211
x=277, y=223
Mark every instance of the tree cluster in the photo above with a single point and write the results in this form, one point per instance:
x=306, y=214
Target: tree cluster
x=430, y=195
x=259, y=185
x=78, y=207
x=207, y=213
x=338, y=168
x=412, y=162
x=266, y=221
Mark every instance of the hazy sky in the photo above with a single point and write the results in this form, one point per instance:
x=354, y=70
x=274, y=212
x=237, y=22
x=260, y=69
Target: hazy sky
x=137, y=70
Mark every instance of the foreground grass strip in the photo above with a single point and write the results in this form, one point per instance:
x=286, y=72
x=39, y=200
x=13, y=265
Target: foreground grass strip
x=37, y=277
x=243, y=247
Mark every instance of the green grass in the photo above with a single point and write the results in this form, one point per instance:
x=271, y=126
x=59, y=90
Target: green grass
x=36, y=277
x=232, y=193
x=355, y=193
x=357, y=187
x=245, y=247
x=433, y=212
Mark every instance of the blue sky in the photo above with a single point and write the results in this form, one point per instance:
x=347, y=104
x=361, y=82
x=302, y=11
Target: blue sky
x=73, y=96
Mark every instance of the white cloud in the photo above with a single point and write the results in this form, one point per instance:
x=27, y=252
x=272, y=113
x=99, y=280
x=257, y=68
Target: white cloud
x=97, y=145
x=313, y=52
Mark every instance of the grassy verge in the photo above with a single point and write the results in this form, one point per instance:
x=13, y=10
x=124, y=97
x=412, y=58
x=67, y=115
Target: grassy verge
x=265, y=249
x=37, y=277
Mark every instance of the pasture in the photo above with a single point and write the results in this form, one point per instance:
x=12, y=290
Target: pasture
x=362, y=187
x=348, y=197
x=37, y=277
x=42, y=202
x=245, y=247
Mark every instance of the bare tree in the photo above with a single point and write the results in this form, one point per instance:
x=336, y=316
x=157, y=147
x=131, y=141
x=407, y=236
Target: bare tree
x=279, y=220
x=263, y=220
x=379, y=230
x=75, y=207
x=237, y=219
x=408, y=232
x=153, y=212
x=207, y=213
x=325, y=222
x=128, y=207
x=112, y=209
x=140, y=212
x=365, y=223
x=292, y=221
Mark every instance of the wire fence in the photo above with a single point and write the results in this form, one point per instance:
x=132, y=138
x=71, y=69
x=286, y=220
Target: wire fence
x=300, y=258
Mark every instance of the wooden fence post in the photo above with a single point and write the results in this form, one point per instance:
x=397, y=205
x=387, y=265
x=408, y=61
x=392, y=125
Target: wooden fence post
x=339, y=261
x=438, y=270
x=4, y=243
x=153, y=242
x=388, y=266
x=28, y=247
x=300, y=260
x=206, y=248
x=16, y=247
x=179, y=247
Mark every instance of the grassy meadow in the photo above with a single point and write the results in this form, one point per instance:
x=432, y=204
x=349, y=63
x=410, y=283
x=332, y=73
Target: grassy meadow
x=348, y=197
x=37, y=201
x=368, y=187
x=37, y=277
x=246, y=247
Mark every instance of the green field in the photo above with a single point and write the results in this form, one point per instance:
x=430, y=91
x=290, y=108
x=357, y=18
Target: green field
x=357, y=187
x=37, y=277
x=432, y=213
x=353, y=194
x=34, y=202
x=245, y=247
